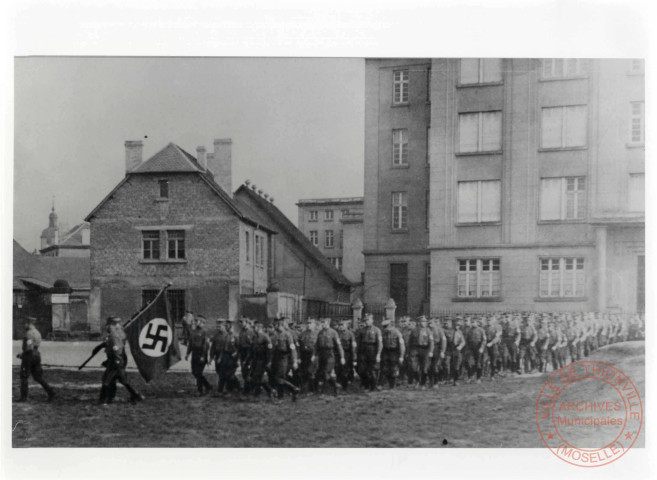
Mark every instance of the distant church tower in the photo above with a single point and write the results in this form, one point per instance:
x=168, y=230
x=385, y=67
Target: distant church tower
x=50, y=235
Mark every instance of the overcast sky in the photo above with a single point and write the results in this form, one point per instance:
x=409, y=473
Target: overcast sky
x=297, y=126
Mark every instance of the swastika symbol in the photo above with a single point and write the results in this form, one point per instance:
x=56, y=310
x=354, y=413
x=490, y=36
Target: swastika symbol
x=156, y=338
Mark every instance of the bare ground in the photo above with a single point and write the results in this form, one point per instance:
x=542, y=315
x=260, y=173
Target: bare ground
x=497, y=413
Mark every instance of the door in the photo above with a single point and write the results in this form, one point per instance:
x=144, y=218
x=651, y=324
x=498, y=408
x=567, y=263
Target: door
x=399, y=287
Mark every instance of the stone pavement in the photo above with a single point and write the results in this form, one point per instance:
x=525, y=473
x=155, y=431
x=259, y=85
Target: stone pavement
x=72, y=354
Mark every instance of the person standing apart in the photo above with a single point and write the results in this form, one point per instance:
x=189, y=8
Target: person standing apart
x=198, y=348
x=31, y=361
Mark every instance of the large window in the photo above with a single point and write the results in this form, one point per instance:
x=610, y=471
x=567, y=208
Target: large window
x=637, y=192
x=399, y=286
x=259, y=250
x=564, y=67
x=637, y=123
x=150, y=240
x=479, y=201
x=313, y=216
x=563, y=127
x=400, y=147
x=563, y=198
x=328, y=215
x=480, y=70
x=314, y=237
x=562, y=277
x=176, y=244
x=400, y=87
x=247, y=245
x=479, y=278
x=399, y=211
x=328, y=238
x=480, y=132
x=164, y=188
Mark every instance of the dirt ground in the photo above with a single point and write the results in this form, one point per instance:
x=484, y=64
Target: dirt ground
x=497, y=413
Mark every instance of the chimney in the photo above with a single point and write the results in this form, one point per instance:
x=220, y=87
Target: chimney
x=133, y=150
x=201, y=158
x=221, y=165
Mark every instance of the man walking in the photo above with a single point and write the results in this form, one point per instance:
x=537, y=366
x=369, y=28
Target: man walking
x=115, y=364
x=31, y=361
x=198, y=347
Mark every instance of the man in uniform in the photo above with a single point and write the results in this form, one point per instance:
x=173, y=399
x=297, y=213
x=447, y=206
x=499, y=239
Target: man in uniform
x=326, y=346
x=542, y=343
x=225, y=356
x=528, y=339
x=244, y=347
x=370, y=346
x=456, y=344
x=115, y=364
x=494, y=337
x=511, y=335
x=421, y=344
x=476, y=342
x=392, y=355
x=406, y=329
x=260, y=359
x=187, y=321
x=198, y=348
x=217, y=343
x=31, y=361
x=306, y=370
x=284, y=356
x=347, y=337
x=446, y=369
x=439, y=348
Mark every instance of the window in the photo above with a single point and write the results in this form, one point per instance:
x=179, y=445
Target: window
x=150, y=240
x=336, y=262
x=399, y=286
x=564, y=67
x=328, y=215
x=313, y=216
x=399, y=211
x=478, y=278
x=400, y=147
x=480, y=132
x=313, y=237
x=637, y=123
x=164, y=188
x=328, y=239
x=247, y=245
x=480, y=70
x=176, y=300
x=562, y=277
x=176, y=244
x=341, y=239
x=259, y=250
x=479, y=201
x=428, y=145
x=563, y=198
x=563, y=127
x=637, y=66
x=400, y=87
x=637, y=191
x=427, y=281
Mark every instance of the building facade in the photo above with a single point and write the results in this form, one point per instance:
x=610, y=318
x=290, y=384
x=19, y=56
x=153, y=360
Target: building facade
x=502, y=184
x=322, y=221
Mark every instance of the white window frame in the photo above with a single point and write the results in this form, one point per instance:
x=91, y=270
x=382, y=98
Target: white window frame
x=479, y=203
x=579, y=197
x=564, y=277
x=177, y=241
x=481, y=72
x=564, y=127
x=400, y=147
x=312, y=216
x=637, y=117
x=480, y=132
x=328, y=215
x=480, y=279
x=400, y=78
x=399, y=218
x=153, y=241
x=557, y=68
x=313, y=235
x=329, y=239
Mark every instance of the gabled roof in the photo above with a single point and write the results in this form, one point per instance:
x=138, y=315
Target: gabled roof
x=270, y=215
x=171, y=158
x=74, y=235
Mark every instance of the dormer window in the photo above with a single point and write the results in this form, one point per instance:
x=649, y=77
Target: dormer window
x=164, y=188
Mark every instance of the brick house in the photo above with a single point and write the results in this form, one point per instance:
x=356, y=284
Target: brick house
x=173, y=219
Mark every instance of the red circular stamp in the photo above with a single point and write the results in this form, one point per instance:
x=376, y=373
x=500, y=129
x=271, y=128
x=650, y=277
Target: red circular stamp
x=589, y=413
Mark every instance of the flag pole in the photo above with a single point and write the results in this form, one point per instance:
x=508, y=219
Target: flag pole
x=138, y=314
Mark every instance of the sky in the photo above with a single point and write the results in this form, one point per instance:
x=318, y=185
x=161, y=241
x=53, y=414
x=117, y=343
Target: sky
x=297, y=126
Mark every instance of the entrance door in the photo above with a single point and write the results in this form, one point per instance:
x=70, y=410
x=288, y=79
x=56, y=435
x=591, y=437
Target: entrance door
x=641, y=284
x=399, y=287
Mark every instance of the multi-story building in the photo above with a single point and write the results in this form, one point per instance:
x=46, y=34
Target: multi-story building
x=495, y=184
x=324, y=221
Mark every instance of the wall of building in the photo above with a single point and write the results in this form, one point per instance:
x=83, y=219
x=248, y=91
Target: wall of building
x=253, y=278
x=624, y=246
x=353, y=261
x=118, y=271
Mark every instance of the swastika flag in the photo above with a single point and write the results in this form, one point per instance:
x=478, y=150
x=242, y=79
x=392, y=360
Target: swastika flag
x=152, y=337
